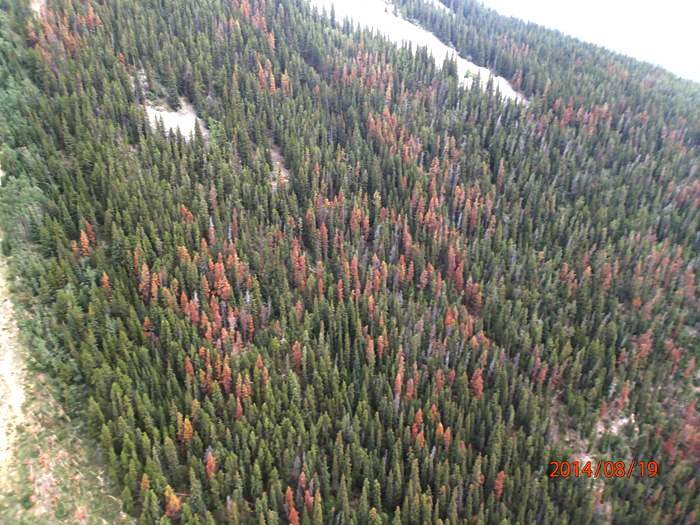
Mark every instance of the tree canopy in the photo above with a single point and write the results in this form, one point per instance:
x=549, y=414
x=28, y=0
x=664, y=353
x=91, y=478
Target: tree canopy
x=438, y=293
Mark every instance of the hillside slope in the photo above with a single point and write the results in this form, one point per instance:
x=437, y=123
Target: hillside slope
x=439, y=294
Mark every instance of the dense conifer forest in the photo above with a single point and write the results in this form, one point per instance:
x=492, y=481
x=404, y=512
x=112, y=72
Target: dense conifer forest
x=438, y=293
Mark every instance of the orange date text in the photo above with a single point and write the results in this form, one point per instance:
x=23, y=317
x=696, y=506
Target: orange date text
x=609, y=469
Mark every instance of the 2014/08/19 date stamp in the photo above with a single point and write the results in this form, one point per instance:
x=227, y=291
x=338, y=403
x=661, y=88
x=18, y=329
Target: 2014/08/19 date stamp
x=619, y=469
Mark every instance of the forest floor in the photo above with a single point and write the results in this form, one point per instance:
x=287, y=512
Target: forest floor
x=47, y=474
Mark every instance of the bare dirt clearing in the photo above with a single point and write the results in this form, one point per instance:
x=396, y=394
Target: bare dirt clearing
x=37, y=5
x=279, y=171
x=186, y=118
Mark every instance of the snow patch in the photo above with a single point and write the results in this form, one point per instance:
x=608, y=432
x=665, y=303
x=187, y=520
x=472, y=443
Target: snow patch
x=378, y=14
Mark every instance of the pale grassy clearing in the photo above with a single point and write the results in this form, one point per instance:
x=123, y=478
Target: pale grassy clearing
x=378, y=14
x=47, y=474
x=11, y=381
